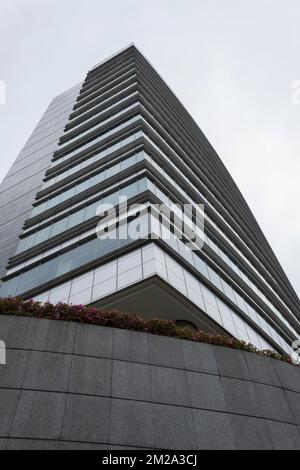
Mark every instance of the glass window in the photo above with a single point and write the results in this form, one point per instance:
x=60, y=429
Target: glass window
x=27, y=281
x=139, y=228
x=54, y=201
x=185, y=252
x=59, y=227
x=172, y=242
x=228, y=291
x=151, y=187
x=42, y=235
x=112, y=171
x=86, y=252
x=67, y=194
x=91, y=210
x=84, y=164
x=25, y=243
x=142, y=185
x=215, y=278
x=38, y=209
x=66, y=262
x=5, y=287
x=8, y=288
x=140, y=157
x=130, y=190
x=108, y=245
x=126, y=164
x=200, y=265
x=72, y=170
x=112, y=199
x=76, y=218
x=83, y=186
x=96, y=179
x=47, y=272
x=240, y=301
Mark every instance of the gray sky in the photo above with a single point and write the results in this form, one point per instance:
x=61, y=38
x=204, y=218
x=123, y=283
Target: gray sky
x=232, y=63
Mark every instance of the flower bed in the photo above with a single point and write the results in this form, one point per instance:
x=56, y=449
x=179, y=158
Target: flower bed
x=127, y=321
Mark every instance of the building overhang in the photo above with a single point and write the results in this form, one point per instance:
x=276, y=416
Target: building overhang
x=155, y=298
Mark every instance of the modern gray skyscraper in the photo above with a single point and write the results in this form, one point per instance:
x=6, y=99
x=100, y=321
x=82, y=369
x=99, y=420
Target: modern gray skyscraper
x=122, y=132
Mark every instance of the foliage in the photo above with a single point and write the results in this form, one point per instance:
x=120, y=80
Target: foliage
x=128, y=321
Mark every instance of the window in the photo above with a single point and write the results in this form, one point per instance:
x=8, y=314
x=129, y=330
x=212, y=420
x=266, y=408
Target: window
x=67, y=194
x=108, y=245
x=47, y=271
x=185, y=252
x=38, y=209
x=215, y=278
x=59, y=227
x=112, y=199
x=200, y=265
x=54, y=201
x=27, y=281
x=83, y=186
x=112, y=171
x=142, y=185
x=25, y=244
x=126, y=164
x=228, y=291
x=42, y=235
x=66, y=262
x=96, y=179
x=76, y=218
x=91, y=210
x=130, y=191
x=86, y=253
x=8, y=288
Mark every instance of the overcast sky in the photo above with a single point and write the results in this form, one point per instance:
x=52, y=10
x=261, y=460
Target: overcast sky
x=232, y=63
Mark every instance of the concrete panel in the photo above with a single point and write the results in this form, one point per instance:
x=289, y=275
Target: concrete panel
x=39, y=415
x=131, y=424
x=169, y=386
x=13, y=373
x=289, y=375
x=90, y=376
x=199, y=357
x=132, y=381
x=81, y=446
x=206, y=391
x=8, y=406
x=257, y=400
x=32, y=444
x=55, y=336
x=231, y=363
x=213, y=430
x=21, y=337
x=294, y=404
x=166, y=351
x=3, y=443
x=131, y=346
x=93, y=340
x=86, y=419
x=174, y=427
x=250, y=433
x=262, y=370
x=48, y=371
x=283, y=436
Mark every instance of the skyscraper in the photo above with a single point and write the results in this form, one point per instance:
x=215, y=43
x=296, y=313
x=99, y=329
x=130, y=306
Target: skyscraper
x=123, y=133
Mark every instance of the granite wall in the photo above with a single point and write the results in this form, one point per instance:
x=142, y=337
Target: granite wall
x=75, y=386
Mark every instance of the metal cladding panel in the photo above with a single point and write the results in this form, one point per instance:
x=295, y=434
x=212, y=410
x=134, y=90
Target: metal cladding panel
x=25, y=177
